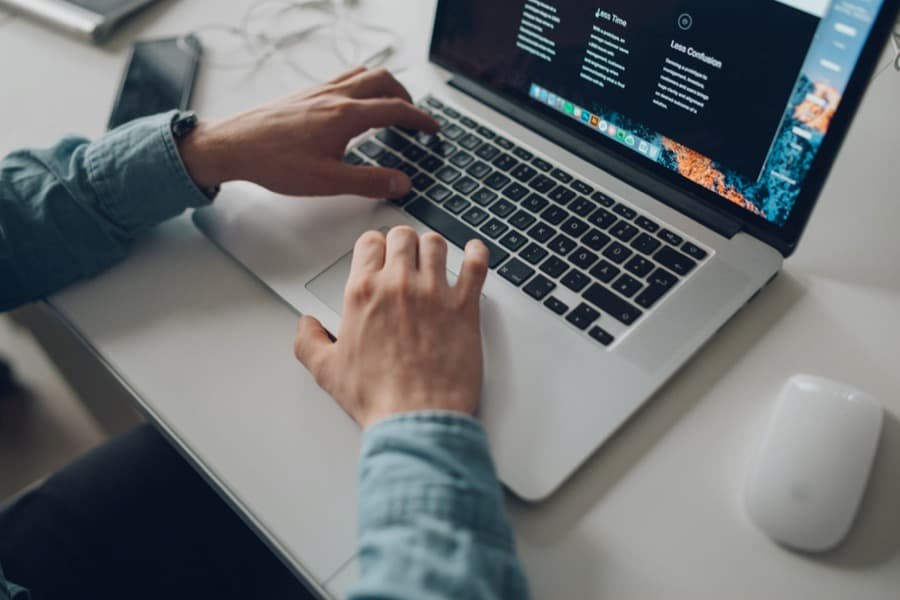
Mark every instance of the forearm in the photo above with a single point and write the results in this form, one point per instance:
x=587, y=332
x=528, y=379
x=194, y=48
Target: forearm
x=432, y=520
x=70, y=211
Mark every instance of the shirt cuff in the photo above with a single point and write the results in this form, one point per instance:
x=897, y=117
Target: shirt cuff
x=431, y=465
x=139, y=175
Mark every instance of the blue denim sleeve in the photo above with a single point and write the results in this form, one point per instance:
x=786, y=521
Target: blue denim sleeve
x=70, y=211
x=432, y=520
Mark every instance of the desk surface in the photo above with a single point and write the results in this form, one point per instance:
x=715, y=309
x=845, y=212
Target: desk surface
x=656, y=513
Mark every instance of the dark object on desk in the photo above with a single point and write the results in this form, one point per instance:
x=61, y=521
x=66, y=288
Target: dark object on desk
x=90, y=19
x=160, y=76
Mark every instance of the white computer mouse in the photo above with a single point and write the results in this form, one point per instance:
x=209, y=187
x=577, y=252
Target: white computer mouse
x=810, y=475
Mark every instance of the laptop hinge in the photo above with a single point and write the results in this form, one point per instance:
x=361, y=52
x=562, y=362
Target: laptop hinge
x=693, y=207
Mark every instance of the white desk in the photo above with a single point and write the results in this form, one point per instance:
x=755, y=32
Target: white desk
x=656, y=514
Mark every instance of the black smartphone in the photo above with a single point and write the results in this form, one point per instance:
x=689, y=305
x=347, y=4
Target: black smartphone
x=160, y=76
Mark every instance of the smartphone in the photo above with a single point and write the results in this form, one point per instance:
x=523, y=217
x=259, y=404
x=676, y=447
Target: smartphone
x=160, y=76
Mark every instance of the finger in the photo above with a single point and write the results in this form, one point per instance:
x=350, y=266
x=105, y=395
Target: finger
x=402, y=251
x=375, y=83
x=474, y=271
x=368, y=254
x=313, y=347
x=347, y=75
x=433, y=258
x=385, y=112
x=371, y=182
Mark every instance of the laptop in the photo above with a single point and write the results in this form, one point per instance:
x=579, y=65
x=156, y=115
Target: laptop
x=639, y=172
x=90, y=19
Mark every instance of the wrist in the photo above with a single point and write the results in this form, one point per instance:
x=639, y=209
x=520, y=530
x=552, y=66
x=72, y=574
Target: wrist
x=205, y=156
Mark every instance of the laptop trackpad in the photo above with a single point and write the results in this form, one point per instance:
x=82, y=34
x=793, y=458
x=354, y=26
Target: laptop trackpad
x=328, y=286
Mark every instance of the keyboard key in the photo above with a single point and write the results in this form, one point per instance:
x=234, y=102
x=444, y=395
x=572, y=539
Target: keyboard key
x=574, y=227
x=470, y=123
x=562, y=245
x=646, y=244
x=441, y=119
x=602, y=218
x=389, y=160
x=554, y=215
x=456, y=232
x=505, y=162
x=611, y=304
x=523, y=173
x=554, y=267
x=582, y=207
x=560, y=175
x=414, y=153
x=462, y=159
x=617, y=253
x=409, y=169
x=602, y=199
x=646, y=224
x=541, y=232
x=442, y=148
x=484, y=197
x=595, y=240
x=393, y=139
x=479, y=170
x=515, y=191
x=353, y=158
x=675, y=261
x=487, y=152
x=497, y=181
x=523, y=153
x=503, y=208
x=439, y=193
x=694, y=251
x=625, y=212
x=465, y=186
x=448, y=174
x=575, y=280
x=534, y=253
x=475, y=216
x=451, y=113
x=663, y=278
x=601, y=336
x=470, y=142
x=582, y=188
x=453, y=132
x=431, y=163
x=541, y=165
x=539, y=287
x=513, y=240
x=639, y=266
x=562, y=195
x=670, y=237
x=605, y=271
x=522, y=220
x=623, y=231
x=556, y=305
x=371, y=149
x=627, y=285
x=422, y=182
x=583, y=258
x=516, y=272
x=650, y=296
x=457, y=204
x=542, y=184
x=583, y=316
x=434, y=103
x=486, y=133
x=404, y=200
x=535, y=203
x=503, y=143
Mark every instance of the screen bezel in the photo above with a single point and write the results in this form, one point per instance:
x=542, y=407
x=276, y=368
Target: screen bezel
x=694, y=200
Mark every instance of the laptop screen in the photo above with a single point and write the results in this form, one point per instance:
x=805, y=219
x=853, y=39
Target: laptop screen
x=736, y=97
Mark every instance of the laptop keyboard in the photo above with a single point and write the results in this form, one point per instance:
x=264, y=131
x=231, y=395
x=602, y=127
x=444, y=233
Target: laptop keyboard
x=550, y=234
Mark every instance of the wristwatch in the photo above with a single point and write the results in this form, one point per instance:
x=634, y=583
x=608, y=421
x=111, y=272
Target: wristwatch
x=183, y=123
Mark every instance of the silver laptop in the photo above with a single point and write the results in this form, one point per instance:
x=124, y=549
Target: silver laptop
x=639, y=172
x=90, y=19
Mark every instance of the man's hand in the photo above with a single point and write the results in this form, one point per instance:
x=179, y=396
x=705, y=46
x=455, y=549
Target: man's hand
x=296, y=146
x=408, y=341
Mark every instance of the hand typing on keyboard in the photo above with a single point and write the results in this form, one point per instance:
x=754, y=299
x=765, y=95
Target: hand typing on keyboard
x=408, y=340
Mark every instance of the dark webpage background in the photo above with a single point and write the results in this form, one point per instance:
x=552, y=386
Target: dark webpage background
x=762, y=44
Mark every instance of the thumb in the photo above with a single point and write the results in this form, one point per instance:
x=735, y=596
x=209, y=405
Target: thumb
x=372, y=182
x=312, y=347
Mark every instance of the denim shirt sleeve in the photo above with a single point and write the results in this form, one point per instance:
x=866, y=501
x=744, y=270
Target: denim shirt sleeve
x=70, y=211
x=431, y=513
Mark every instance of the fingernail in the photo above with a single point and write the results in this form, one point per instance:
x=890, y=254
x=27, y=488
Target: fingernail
x=399, y=185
